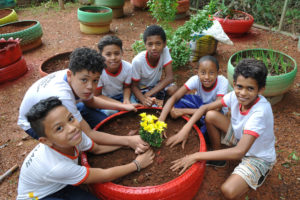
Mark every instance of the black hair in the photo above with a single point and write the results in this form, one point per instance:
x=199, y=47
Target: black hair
x=38, y=112
x=154, y=30
x=252, y=68
x=109, y=40
x=210, y=58
x=86, y=59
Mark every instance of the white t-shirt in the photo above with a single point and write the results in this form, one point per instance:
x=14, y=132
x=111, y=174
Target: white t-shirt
x=54, y=84
x=46, y=170
x=220, y=88
x=112, y=84
x=257, y=121
x=146, y=74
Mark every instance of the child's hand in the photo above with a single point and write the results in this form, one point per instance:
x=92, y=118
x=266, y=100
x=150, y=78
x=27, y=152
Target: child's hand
x=145, y=159
x=139, y=145
x=175, y=113
x=149, y=101
x=129, y=107
x=181, y=136
x=183, y=163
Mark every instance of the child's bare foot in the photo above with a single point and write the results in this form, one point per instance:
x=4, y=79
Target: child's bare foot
x=175, y=113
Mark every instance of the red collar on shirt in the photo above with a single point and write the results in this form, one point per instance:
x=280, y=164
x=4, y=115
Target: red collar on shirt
x=149, y=62
x=116, y=74
x=247, y=111
x=71, y=157
x=215, y=84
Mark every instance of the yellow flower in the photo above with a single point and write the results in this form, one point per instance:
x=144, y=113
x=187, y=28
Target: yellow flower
x=150, y=128
x=160, y=126
x=143, y=124
x=143, y=115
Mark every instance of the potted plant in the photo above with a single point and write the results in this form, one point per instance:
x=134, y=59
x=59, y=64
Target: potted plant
x=139, y=3
x=94, y=19
x=184, y=186
x=115, y=5
x=281, y=67
x=234, y=22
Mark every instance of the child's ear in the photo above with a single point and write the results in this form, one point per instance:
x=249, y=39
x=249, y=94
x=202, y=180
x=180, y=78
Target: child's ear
x=69, y=75
x=45, y=141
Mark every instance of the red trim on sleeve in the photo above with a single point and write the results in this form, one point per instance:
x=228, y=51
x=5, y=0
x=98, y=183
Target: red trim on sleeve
x=168, y=63
x=126, y=84
x=251, y=133
x=84, y=178
x=223, y=102
x=135, y=79
x=220, y=95
x=187, y=87
x=93, y=144
x=99, y=88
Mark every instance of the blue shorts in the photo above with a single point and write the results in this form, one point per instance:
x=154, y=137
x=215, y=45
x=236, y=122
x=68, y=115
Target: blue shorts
x=120, y=98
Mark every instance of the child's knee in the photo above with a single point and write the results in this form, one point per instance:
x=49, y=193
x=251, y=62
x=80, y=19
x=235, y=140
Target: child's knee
x=210, y=116
x=228, y=191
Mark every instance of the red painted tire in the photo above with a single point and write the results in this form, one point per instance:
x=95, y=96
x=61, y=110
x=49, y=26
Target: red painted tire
x=10, y=52
x=13, y=71
x=236, y=27
x=184, y=187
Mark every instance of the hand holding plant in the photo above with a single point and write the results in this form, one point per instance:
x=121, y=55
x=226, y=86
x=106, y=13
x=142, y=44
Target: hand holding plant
x=151, y=130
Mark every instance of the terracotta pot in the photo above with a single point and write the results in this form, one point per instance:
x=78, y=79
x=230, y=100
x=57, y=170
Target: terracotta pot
x=10, y=52
x=183, y=187
x=50, y=62
x=139, y=3
x=183, y=6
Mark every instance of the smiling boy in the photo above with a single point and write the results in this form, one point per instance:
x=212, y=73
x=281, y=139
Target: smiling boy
x=250, y=131
x=78, y=84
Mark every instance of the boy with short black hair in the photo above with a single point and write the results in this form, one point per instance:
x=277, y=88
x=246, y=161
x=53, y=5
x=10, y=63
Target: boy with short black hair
x=75, y=85
x=115, y=80
x=250, y=130
x=51, y=169
x=147, y=68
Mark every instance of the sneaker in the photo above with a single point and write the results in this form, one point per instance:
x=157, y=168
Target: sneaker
x=216, y=163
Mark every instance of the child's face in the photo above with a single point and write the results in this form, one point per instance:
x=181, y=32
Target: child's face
x=207, y=73
x=62, y=129
x=154, y=46
x=83, y=83
x=246, y=90
x=113, y=56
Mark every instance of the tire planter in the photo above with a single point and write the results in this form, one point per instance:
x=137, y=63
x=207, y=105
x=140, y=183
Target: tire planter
x=276, y=85
x=94, y=19
x=29, y=31
x=236, y=28
x=115, y=5
x=139, y=3
x=183, y=187
x=7, y=3
x=62, y=57
x=10, y=52
x=13, y=71
x=7, y=16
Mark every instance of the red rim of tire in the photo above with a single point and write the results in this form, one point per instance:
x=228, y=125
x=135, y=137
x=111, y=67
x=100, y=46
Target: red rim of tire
x=13, y=71
x=236, y=27
x=185, y=186
x=10, y=52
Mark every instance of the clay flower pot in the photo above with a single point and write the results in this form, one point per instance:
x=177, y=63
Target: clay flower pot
x=115, y=5
x=139, y=3
x=7, y=16
x=236, y=27
x=94, y=19
x=10, y=52
x=184, y=186
x=57, y=62
x=28, y=31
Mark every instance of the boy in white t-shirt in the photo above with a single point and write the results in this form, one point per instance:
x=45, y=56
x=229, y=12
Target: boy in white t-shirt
x=74, y=85
x=250, y=130
x=209, y=87
x=51, y=169
x=147, y=67
x=115, y=80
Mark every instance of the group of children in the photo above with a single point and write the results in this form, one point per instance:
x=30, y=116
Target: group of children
x=61, y=110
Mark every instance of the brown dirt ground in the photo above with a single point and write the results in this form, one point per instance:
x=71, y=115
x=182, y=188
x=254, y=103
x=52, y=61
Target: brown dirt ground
x=61, y=34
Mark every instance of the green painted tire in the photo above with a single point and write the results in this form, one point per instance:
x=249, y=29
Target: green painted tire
x=11, y=17
x=97, y=17
x=275, y=85
x=7, y=4
x=28, y=35
x=110, y=3
x=94, y=29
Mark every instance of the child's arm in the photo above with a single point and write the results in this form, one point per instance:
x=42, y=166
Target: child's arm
x=171, y=101
x=98, y=175
x=135, y=142
x=182, y=135
x=126, y=94
x=169, y=78
x=100, y=149
x=234, y=153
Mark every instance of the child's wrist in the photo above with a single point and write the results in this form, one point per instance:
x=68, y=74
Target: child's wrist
x=137, y=164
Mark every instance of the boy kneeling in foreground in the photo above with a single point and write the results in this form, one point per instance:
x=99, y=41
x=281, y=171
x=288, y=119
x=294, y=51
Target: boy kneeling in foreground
x=51, y=170
x=250, y=130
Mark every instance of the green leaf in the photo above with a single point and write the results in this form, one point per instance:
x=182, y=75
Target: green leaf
x=279, y=176
x=286, y=164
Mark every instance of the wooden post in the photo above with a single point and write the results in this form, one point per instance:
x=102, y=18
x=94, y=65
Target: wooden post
x=283, y=14
x=61, y=4
x=299, y=43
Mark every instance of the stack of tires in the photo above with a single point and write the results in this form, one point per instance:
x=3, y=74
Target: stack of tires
x=7, y=4
x=12, y=63
x=7, y=16
x=115, y=5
